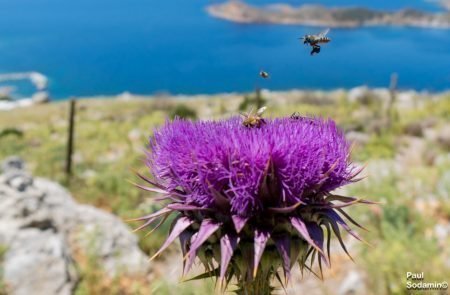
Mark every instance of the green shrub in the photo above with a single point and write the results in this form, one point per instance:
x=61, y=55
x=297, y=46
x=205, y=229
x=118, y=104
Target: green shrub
x=2, y=284
x=400, y=244
x=379, y=146
x=11, y=131
x=184, y=112
x=256, y=101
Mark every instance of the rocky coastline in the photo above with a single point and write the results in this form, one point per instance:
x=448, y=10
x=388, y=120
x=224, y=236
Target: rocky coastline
x=318, y=15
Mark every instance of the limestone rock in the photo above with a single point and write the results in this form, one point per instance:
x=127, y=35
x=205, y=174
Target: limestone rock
x=353, y=284
x=38, y=262
x=42, y=227
x=444, y=137
x=41, y=97
x=12, y=163
x=359, y=138
x=361, y=94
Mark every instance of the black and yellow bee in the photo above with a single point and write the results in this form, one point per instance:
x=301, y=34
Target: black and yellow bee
x=264, y=74
x=315, y=40
x=254, y=119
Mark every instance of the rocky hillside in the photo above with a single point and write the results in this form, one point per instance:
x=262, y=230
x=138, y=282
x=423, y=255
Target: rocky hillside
x=47, y=235
x=317, y=15
x=404, y=143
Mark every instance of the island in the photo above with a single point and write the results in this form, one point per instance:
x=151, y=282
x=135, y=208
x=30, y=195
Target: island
x=318, y=15
x=445, y=4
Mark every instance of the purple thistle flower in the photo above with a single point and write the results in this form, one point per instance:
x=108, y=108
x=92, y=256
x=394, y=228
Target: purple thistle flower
x=251, y=200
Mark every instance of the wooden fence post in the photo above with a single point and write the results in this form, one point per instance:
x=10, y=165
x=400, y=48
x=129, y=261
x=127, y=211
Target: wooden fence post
x=72, y=105
x=258, y=98
x=391, y=111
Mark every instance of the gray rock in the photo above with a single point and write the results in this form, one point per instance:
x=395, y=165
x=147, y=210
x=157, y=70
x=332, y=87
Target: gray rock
x=38, y=262
x=359, y=138
x=12, y=163
x=41, y=97
x=414, y=129
x=406, y=99
x=41, y=225
x=18, y=180
x=353, y=284
x=444, y=137
x=363, y=95
x=113, y=243
x=442, y=232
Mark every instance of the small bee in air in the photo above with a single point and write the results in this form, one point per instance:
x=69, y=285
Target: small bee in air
x=315, y=40
x=254, y=120
x=264, y=74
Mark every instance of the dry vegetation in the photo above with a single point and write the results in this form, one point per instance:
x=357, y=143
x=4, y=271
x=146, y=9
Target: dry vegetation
x=406, y=152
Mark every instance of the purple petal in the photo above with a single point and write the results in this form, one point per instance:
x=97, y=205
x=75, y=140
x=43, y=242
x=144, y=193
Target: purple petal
x=207, y=228
x=324, y=177
x=283, y=244
x=182, y=207
x=166, y=197
x=343, y=205
x=337, y=232
x=228, y=244
x=333, y=166
x=344, y=199
x=354, y=174
x=239, y=222
x=146, y=179
x=158, y=225
x=301, y=228
x=327, y=225
x=147, y=223
x=271, y=167
x=316, y=233
x=185, y=238
x=261, y=238
x=337, y=206
x=181, y=224
x=156, y=214
x=150, y=189
x=335, y=217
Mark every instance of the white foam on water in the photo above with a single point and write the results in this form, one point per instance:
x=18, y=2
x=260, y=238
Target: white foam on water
x=40, y=81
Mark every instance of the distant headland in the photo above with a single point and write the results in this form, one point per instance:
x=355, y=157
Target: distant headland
x=318, y=15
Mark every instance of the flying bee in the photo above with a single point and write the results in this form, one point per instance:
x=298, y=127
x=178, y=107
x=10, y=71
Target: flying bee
x=254, y=120
x=315, y=40
x=264, y=74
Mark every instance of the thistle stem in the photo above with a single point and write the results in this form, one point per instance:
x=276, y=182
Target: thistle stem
x=260, y=285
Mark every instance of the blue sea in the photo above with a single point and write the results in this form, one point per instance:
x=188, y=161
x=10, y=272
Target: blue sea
x=96, y=47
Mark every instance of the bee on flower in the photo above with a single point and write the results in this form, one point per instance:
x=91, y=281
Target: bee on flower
x=254, y=119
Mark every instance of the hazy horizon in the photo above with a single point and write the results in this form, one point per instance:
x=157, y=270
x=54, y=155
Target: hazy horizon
x=106, y=48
